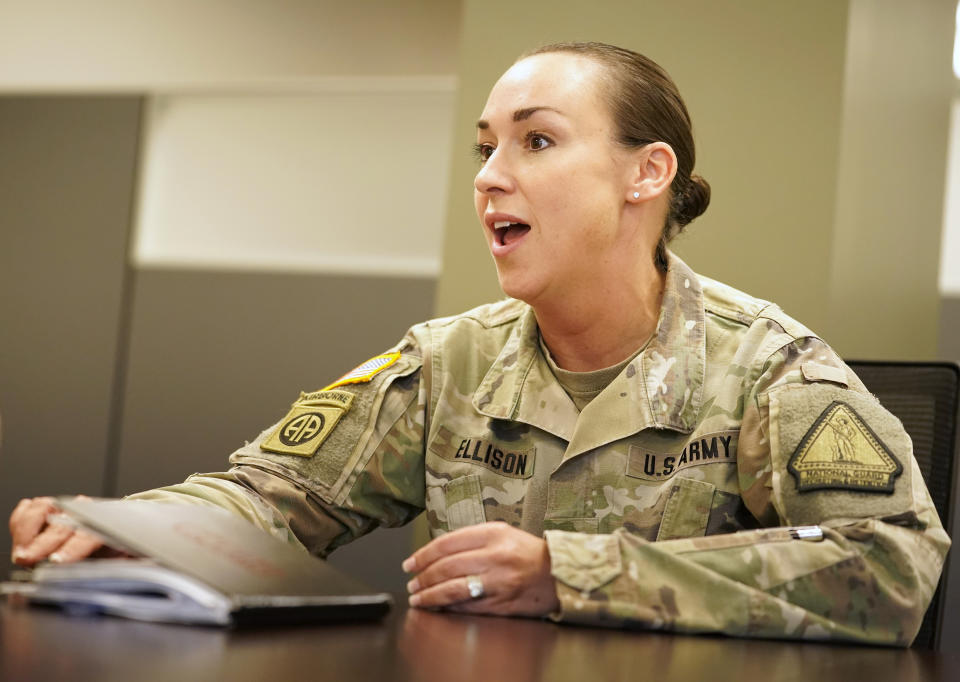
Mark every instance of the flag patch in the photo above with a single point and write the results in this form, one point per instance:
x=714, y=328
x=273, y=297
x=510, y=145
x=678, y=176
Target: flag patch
x=366, y=371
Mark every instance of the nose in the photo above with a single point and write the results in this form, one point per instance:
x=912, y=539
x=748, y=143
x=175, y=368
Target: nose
x=494, y=176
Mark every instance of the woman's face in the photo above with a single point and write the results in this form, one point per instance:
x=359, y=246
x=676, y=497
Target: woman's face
x=553, y=183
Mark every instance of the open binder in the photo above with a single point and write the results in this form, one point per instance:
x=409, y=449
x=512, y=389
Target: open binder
x=194, y=564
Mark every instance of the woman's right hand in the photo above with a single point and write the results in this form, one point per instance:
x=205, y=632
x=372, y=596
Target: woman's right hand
x=34, y=539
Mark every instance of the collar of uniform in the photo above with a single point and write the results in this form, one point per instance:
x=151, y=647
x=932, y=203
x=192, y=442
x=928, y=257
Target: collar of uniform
x=664, y=383
x=521, y=365
x=660, y=388
x=673, y=365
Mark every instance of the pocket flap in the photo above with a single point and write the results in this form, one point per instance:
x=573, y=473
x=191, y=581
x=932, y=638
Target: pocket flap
x=687, y=510
x=584, y=562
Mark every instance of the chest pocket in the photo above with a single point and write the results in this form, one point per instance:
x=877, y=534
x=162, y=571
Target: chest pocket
x=687, y=510
x=463, y=502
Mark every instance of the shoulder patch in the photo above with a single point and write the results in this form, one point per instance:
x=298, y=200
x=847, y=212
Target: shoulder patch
x=841, y=452
x=366, y=371
x=311, y=419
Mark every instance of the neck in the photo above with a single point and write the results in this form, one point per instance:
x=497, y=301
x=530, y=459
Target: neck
x=596, y=327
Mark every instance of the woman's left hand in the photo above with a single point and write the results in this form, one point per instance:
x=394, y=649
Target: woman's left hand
x=512, y=565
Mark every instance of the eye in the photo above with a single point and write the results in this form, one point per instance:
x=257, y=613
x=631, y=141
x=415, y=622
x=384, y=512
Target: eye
x=538, y=142
x=482, y=151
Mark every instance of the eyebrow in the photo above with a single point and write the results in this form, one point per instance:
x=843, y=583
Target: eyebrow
x=519, y=115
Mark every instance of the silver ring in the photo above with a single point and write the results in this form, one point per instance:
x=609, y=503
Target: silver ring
x=474, y=586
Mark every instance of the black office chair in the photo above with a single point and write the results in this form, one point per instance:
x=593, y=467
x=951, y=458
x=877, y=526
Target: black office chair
x=924, y=396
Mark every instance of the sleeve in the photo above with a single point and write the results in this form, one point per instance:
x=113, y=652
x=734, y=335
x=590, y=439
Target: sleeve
x=344, y=460
x=816, y=449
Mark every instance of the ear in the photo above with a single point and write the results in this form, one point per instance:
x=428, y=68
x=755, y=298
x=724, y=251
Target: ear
x=654, y=168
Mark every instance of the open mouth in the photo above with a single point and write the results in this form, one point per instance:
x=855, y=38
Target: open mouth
x=506, y=232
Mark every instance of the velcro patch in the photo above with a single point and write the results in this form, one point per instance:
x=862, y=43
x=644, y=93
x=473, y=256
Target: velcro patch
x=841, y=452
x=366, y=371
x=311, y=419
x=814, y=371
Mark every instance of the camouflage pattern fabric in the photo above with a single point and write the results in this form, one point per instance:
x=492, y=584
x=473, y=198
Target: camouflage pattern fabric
x=665, y=503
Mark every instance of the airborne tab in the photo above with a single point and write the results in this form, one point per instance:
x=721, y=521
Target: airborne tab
x=310, y=421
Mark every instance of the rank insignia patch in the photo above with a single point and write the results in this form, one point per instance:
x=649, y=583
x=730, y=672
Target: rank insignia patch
x=841, y=452
x=366, y=371
x=310, y=421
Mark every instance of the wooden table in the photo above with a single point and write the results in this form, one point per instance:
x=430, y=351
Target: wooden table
x=46, y=645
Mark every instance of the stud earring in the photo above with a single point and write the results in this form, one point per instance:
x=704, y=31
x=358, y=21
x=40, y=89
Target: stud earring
x=636, y=195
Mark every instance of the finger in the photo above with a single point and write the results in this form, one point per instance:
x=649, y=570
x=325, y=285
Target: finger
x=43, y=545
x=28, y=518
x=443, y=594
x=16, y=516
x=463, y=539
x=78, y=546
x=449, y=567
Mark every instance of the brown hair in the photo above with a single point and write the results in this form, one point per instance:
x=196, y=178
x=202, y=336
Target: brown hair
x=647, y=107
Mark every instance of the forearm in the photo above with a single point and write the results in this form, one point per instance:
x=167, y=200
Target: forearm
x=865, y=581
x=276, y=505
x=224, y=490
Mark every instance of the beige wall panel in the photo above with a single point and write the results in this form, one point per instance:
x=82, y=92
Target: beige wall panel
x=215, y=358
x=892, y=179
x=949, y=281
x=949, y=330
x=66, y=185
x=141, y=44
x=312, y=182
x=763, y=81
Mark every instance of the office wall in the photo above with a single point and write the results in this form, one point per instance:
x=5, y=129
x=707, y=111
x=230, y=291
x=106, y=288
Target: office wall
x=350, y=178
x=949, y=332
x=66, y=189
x=141, y=44
x=891, y=179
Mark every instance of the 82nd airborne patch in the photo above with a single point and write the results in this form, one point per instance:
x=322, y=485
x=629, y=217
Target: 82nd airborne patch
x=841, y=452
x=310, y=421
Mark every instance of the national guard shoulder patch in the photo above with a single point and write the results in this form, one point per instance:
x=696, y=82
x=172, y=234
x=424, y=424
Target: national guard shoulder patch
x=310, y=421
x=366, y=371
x=841, y=452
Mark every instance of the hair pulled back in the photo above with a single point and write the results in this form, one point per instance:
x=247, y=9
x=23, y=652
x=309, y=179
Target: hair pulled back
x=647, y=107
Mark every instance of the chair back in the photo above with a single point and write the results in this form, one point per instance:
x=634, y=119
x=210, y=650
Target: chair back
x=924, y=397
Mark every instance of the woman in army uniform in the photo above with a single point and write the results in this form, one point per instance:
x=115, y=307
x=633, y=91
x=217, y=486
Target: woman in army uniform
x=622, y=441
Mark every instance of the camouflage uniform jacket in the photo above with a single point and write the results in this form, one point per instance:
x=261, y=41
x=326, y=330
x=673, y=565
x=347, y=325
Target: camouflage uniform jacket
x=667, y=503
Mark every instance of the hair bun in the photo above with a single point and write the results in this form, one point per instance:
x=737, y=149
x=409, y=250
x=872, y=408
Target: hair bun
x=696, y=198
